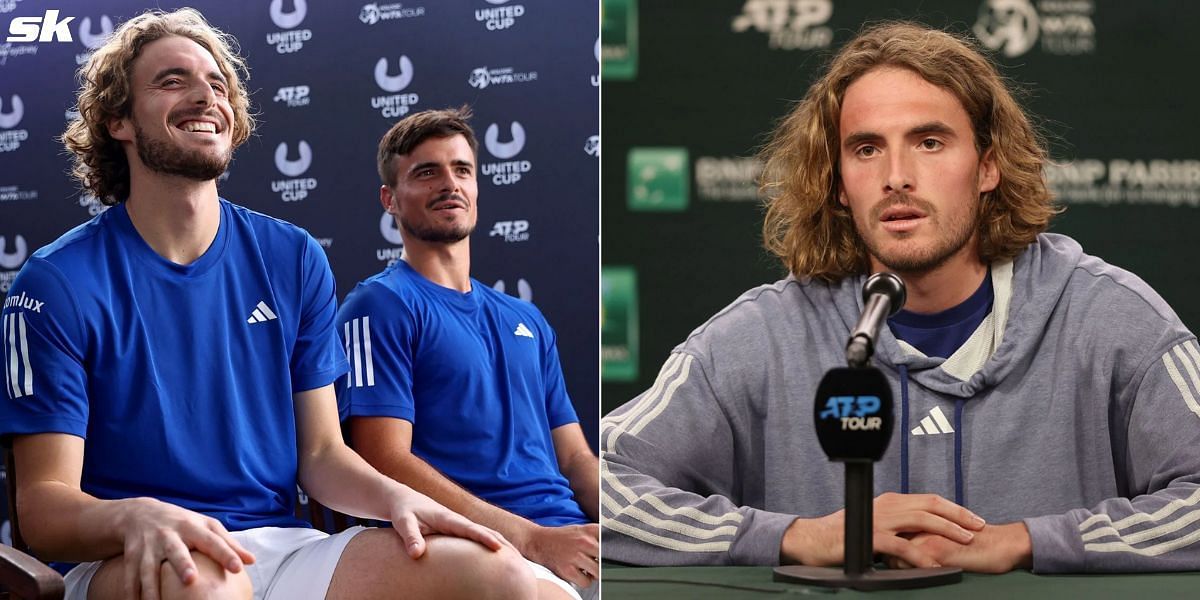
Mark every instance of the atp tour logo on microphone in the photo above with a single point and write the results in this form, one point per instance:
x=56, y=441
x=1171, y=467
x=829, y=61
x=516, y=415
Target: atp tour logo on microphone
x=789, y=24
x=296, y=188
x=287, y=42
x=507, y=172
x=11, y=259
x=92, y=39
x=396, y=104
x=855, y=412
x=11, y=113
x=293, y=96
x=497, y=18
x=390, y=233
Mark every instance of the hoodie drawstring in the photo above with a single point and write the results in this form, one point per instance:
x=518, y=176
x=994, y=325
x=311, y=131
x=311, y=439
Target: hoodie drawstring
x=958, y=437
x=903, y=429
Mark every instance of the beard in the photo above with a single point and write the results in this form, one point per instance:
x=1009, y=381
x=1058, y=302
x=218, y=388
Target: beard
x=953, y=234
x=438, y=233
x=164, y=157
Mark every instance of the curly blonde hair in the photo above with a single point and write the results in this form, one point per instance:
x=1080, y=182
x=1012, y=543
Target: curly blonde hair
x=104, y=95
x=814, y=235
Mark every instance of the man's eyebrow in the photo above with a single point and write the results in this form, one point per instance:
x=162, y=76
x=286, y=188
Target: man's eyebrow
x=931, y=127
x=458, y=162
x=169, y=71
x=859, y=137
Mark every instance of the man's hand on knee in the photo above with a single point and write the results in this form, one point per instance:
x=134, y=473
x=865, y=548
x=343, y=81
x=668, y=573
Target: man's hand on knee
x=414, y=515
x=157, y=534
x=571, y=551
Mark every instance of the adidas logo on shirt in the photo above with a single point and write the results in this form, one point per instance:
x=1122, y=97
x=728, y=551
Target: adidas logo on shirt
x=261, y=314
x=523, y=330
x=934, y=423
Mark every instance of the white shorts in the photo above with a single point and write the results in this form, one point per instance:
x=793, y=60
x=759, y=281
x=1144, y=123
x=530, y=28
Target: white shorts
x=577, y=593
x=290, y=563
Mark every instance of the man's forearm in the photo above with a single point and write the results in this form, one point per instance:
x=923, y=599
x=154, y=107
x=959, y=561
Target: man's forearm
x=340, y=479
x=421, y=476
x=583, y=473
x=94, y=533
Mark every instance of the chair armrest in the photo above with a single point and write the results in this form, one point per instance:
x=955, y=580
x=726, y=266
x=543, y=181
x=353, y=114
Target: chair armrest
x=27, y=577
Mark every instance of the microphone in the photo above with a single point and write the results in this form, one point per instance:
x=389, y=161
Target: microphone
x=883, y=296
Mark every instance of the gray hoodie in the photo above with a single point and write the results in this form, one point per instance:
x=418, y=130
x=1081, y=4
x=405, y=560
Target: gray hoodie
x=1073, y=408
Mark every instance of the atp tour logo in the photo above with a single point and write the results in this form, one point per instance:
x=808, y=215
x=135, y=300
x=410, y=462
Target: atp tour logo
x=390, y=233
x=91, y=40
x=592, y=146
x=855, y=412
x=373, y=13
x=395, y=104
x=524, y=290
x=511, y=231
x=11, y=260
x=509, y=171
x=10, y=117
x=296, y=188
x=789, y=24
x=483, y=77
x=293, y=96
x=1013, y=27
x=499, y=17
x=287, y=42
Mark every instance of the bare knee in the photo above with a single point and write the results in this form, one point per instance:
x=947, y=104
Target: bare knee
x=212, y=581
x=505, y=574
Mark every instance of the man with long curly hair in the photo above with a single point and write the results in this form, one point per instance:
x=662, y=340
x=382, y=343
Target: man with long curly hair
x=171, y=366
x=1046, y=400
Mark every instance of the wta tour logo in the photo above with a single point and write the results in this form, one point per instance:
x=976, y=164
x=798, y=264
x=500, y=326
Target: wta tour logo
x=1013, y=27
x=396, y=104
x=296, y=188
x=506, y=172
x=10, y=117
x=287, y=42
x=483, y=77
x=374, y=13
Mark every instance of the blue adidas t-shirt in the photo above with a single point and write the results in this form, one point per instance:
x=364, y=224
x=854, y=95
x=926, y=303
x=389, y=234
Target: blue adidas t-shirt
x=478, y=376
x=179, y=378
x=941, y=334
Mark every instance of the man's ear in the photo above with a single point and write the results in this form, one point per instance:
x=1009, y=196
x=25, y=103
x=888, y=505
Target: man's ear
x=386, y=198
x=989, y=171
x=120, y=130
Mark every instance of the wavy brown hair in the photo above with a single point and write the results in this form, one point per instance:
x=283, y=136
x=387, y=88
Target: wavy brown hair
x=104, y=95
x=814, y=235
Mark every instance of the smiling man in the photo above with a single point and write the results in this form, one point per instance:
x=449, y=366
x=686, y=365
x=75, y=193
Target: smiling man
x=1046, y=400
x=175, y=382
x=456, y=388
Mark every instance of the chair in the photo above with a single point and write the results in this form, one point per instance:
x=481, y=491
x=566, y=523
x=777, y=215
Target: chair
x=21, y=575
x=24, y=577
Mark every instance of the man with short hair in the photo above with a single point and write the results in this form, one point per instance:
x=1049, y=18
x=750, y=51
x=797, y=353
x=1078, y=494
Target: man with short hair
x=1046, y=401
x=170, y=369
x=456, y=389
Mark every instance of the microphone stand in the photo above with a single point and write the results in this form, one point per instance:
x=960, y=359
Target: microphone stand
x=853, y=417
